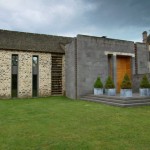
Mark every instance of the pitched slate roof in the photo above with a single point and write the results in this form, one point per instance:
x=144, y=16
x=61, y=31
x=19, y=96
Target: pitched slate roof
x=14, y=40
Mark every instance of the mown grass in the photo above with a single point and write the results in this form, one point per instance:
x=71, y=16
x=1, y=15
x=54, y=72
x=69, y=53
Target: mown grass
x=58, y=123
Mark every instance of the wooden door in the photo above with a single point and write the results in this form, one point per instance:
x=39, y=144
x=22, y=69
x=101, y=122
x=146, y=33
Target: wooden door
x=123, y=67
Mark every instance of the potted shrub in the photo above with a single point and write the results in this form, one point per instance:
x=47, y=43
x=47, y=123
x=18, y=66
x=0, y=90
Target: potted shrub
x=144, y=86
x=110, y=87
x=126, y=87
x=98, y=87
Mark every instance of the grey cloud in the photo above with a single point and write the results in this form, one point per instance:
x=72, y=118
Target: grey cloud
x=115, y=18
x=121, y=13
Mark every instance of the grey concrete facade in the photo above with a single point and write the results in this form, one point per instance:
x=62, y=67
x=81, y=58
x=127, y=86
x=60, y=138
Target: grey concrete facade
x=70, y=70
x=92, y=60
x=87, y=58
x=136, y=81
x=142, y=58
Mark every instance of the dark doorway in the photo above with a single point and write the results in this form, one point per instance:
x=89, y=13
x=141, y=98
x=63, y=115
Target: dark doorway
x=34, y=76
x=35, y=87
x=14, y=76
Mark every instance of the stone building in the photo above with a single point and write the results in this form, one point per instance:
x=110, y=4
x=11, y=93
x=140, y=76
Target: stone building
x=38, y=65
x=31, y=64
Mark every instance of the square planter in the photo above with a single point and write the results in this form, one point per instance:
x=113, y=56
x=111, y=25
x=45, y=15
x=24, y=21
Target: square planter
x=144, y=92
x=148, y=92
x=110, y=92
x=98, y=91
x=126, y=93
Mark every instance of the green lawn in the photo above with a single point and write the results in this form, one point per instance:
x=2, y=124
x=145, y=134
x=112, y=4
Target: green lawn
x=58, y=123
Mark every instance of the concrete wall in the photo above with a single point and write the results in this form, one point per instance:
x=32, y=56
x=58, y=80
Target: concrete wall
x=92, y=61
x=136, y=81
x=70, y=73
x=25, y=74
x=142, y=58
x=63, y=76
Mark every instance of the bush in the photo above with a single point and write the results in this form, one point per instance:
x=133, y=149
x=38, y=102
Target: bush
x=98, y=83
x=144, y=82
x=109, y=83
x=126, y=83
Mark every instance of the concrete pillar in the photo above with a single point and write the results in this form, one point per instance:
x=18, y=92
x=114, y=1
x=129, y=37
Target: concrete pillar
x=115, y=70
x=133, y=68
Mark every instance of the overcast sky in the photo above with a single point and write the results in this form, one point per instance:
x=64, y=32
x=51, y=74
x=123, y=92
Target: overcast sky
x=119, y=19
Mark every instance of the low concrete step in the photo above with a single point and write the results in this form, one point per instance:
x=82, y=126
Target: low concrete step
x=117, y=104
x=102, y=101
x=118, y=101
x=118, y=97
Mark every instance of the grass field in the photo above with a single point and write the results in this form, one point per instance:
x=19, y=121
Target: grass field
x=58, y=123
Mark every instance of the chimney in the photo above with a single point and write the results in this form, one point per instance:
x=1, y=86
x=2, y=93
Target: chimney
x=144, y=37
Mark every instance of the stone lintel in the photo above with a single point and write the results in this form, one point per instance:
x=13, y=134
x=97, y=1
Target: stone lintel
x=119, y=53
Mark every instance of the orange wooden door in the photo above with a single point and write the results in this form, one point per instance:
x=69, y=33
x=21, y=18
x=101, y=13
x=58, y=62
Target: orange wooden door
x=123, y=67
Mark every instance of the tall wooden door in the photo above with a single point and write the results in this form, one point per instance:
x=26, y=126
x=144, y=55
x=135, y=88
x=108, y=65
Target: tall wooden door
x=123, y=67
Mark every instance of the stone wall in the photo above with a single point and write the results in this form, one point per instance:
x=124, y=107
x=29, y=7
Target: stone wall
x=5, y=74
x=25, y=73
x=44, y=74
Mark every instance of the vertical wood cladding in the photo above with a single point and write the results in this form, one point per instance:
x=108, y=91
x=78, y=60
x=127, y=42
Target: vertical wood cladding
x=56, y=74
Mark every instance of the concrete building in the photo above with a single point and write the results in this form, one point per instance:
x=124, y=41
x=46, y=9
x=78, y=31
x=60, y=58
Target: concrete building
x=38, y=65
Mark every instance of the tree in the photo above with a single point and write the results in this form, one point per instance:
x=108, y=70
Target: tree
x=144, y=82
x=126, y=83
x=98, y=83
x=109, y=84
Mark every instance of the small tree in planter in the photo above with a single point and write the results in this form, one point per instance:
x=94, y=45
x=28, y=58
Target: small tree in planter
x=126, y=87
x=144, y=86
x=98, y=87
x=110, y=87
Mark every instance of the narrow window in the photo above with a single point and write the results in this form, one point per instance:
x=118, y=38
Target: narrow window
x=35, y=76
x=14, y=76
x=110, y=68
